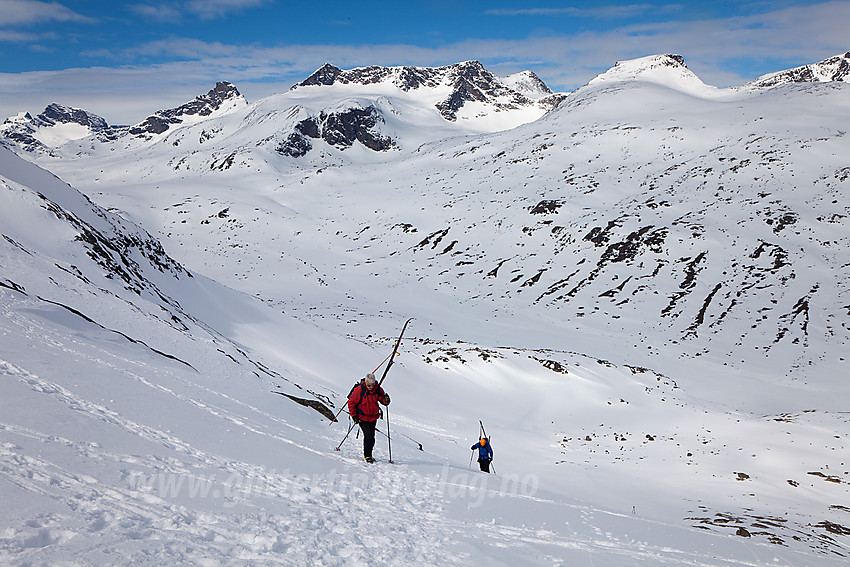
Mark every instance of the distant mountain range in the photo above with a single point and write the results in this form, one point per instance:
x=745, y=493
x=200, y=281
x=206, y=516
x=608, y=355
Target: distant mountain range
x=449, y=90
x=465, y=94
x=59, y=124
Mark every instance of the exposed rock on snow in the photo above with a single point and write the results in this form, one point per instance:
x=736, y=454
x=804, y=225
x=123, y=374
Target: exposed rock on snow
x=339, y=128
x=832, y=69
x=223, y=96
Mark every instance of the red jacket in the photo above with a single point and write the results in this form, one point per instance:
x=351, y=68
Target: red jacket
x=363, y=404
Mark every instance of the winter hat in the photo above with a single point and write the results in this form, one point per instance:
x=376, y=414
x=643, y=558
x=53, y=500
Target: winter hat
x=370, y=379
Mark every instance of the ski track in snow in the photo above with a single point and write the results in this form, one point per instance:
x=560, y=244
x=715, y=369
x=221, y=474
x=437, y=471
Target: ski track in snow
x=361, y=518
x=138, y=514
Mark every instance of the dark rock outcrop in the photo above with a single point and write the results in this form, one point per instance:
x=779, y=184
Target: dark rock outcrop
x=58, y=114
x=339, y=129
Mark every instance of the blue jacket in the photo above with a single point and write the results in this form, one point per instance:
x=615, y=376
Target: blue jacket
x=484, y=451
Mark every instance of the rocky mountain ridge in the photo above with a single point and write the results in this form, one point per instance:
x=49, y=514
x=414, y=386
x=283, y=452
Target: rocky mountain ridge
x=468, y=82
x=831, y=69
x=33, y=134
x=22, y=129
x=223, y=96
x=124, y=262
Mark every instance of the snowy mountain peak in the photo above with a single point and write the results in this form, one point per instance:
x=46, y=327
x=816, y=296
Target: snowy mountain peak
x=324, y=75
x=466, y=82
x=221, y=98
x=377, y=108
x=668, y=70
x=527, y=83
x=651, y=67
x=56, y=125
x=405, y=78
x=831, y=69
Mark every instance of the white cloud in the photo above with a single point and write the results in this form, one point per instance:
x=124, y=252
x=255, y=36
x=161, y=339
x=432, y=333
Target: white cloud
x=597, y=12
x=185, y=48
x=16, y=36
x=794, y=35
x=32, y=12
x=211, y=9
x=204, y=9
x=159, y=13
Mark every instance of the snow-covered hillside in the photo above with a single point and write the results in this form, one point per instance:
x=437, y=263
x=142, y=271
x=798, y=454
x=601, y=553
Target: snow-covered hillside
x=642, y=293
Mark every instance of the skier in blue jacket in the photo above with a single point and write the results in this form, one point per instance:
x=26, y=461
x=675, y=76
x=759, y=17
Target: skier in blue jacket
x=485, y=454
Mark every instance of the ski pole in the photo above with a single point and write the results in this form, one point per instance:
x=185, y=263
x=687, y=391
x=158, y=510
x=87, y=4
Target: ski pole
x=346, y=436
x=418, y=444
x=472, y=455
x=389, y=437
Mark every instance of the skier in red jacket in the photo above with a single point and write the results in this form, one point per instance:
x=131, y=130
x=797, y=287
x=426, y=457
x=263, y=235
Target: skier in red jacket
x=364, y=410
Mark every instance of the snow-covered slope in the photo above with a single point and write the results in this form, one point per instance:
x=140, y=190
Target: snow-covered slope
x=643, y=295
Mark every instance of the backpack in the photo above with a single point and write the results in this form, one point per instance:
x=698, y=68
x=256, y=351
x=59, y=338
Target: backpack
x=362, y=385
x=362, y=389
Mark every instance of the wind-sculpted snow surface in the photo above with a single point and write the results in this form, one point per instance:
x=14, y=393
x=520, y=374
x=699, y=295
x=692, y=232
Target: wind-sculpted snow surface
x=643, y=295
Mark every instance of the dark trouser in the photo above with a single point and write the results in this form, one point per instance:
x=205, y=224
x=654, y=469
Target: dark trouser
x=484, y=464
x=368, y=428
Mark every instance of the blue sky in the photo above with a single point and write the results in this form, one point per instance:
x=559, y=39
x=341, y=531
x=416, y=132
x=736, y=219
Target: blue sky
x=124, y=60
